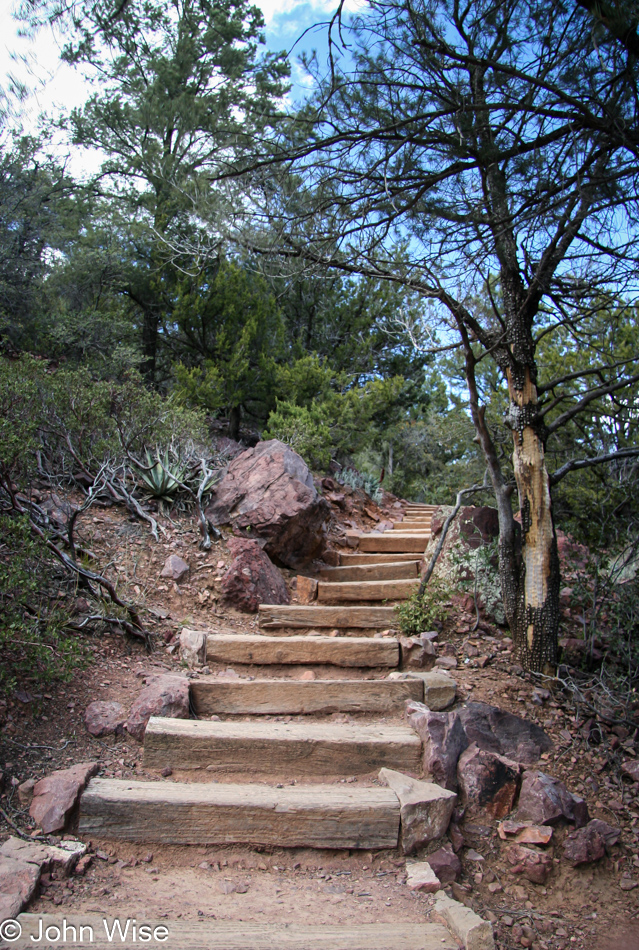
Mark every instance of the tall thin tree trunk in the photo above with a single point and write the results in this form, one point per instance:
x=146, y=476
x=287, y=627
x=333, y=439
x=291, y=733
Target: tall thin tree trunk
x=536, y=617
x=235, y=417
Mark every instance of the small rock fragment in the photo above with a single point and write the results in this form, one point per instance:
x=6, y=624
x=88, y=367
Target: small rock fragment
x=544, y=800
x=193, y=647
x=534, y=865
x=589, y=844
x=417, y=653
x=175, y=568
x=445, y=864
x=165, y=695
x=443, y=740
x=421, y=877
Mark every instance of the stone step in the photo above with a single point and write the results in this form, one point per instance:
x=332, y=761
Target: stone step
x=296, y=816
x=212, y=696
x=328, y=592
x=381, y=557
x=374, y=618
x=394, y=541
x=413, y=525
x=295, y=748
x=204, y=934
x=301, y=650
x=372, y=572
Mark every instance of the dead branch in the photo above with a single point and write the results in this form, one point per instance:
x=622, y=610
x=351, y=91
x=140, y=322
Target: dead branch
x=440, y=544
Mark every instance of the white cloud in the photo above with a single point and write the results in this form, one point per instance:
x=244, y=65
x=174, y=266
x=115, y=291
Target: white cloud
x=273, y=9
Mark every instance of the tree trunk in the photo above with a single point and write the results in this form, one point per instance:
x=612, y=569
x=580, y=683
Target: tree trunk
x=235, y=417
x=532, y=602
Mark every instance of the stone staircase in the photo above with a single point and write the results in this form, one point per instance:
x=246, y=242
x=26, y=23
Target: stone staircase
x=231, y=777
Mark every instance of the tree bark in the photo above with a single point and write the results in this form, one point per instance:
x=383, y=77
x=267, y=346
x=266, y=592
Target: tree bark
x=534, y=621
x=235, y=418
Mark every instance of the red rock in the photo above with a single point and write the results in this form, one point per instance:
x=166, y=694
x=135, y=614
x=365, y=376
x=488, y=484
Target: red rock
x=252, y=579
x=487, y=782
x=270, y=490
x=456, y=837
x=630, y=767
x=55, y=796
x=175, y=568
x=443, y=740
x=417, y=653
x=18, y=881
x=495, y=730
x=104, y=718
x=445, y=864
x=525, y=833
x=544, y=800
x=166, y=695
x=534, y=865
x=589, y=844
x=306, y=589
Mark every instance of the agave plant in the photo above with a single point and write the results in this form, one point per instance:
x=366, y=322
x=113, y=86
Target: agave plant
x=162, y=477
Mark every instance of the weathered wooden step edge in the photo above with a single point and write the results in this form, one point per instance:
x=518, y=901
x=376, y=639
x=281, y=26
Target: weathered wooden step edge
x=412, y=525
x=335, y=651
x=394, y=541
x=298, y=816
x=373, y=618
x=335, y=591
x=296, y=748
x=211, y=696
x=346, y=558
x=203, y=934
x=400, y=570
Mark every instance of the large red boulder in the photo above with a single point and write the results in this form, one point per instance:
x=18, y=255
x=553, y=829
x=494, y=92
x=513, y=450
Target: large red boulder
x=252, y=579
x=269, y=490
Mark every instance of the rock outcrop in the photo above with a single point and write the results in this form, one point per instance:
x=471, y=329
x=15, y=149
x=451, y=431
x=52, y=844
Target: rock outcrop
x=270, y=490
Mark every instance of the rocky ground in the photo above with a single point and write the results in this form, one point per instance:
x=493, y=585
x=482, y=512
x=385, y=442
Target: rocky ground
x=594, y=906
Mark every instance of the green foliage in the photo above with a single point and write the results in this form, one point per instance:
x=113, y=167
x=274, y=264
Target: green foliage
x=162, y=478
x=420, y=614
x=32, y=640
x=363, y=480
x=305, y=430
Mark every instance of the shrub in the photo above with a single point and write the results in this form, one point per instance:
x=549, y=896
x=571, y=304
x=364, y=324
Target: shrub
x=305, y=430
x=418, y=614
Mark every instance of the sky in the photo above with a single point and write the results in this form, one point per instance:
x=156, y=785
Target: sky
x=57, y=87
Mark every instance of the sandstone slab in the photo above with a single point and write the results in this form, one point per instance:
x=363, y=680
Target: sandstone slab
x=306, y=589
x=104, y=718
x=425, y=808
x=55, y=796
x=18, y=881
x=270, y=490
x=472, y=932
x=164, y=696
x=57, y=859
x=252, y=579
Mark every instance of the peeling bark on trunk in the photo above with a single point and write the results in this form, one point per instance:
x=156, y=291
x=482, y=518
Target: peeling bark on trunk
x=533, y=609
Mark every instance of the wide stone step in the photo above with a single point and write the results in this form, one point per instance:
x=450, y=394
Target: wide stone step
x=381, y=557
x=335, y=651
x=211, y=696
x=403, y=543
x=413, y=525
x=295, y=748
x=374, y=618
x=203, y=934
x=401, y=570
x=313, y=816
x=366, y=590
